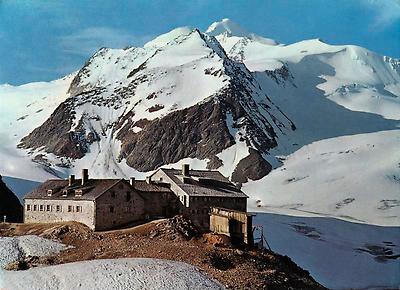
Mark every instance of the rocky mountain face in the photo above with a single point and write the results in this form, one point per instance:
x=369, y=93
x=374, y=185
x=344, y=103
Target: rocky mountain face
x=180, y=96
x=10, y=207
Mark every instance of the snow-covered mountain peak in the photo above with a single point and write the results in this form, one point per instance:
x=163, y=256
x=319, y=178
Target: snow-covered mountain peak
x=113, y=69
x=226, y=28
x=126, y=101
x=163, y=39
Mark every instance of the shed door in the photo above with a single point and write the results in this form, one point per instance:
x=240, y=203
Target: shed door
x=235, y=231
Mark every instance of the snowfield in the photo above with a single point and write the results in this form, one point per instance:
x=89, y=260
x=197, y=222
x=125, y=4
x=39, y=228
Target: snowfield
x=111, y=274
x=13, y=249
x=23, y=108
x=356, y=178
x=338, y=254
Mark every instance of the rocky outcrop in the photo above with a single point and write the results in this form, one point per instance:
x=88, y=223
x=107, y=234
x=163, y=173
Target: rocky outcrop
x=10, y=207
x=55, y=134
x=198, y=132
x=253, y=167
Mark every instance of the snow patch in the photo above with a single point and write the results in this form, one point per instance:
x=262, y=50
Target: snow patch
x=13, y=249
x=111, y=274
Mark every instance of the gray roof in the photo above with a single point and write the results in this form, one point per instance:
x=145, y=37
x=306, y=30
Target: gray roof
x=198, y=183
x=204, y=183
x=143, y=186
x=91, y=190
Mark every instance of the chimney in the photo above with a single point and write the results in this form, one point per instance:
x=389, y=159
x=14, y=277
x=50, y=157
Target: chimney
x=132, y=181
x=85, y=176
x=185, y=169
x=71, y=180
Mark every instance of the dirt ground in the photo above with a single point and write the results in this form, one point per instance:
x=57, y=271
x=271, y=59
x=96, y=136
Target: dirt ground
x=168, y=239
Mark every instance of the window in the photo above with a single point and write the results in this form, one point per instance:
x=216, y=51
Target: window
x=28, y=207
x=128, y=196
x=113, y=194
x=48, y=207
x=34, y=207
x=41, y=207
x=78, y=208
x=161, y=179
x=111, y=209
x=58, y=208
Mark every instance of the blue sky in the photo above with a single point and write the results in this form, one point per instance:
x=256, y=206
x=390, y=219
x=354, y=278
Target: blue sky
x=44, y=40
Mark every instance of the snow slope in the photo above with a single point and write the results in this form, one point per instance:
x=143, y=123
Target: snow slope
x=167, y=67
x=338, y=254
x=110, y=274
x=349, y=75
x=353, y=177
x=23, y=108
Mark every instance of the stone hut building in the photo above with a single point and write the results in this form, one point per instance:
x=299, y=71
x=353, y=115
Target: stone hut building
x=107, y=203
x=98, y=203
